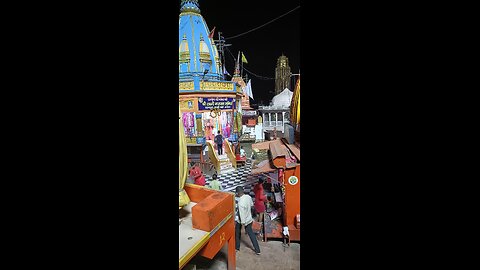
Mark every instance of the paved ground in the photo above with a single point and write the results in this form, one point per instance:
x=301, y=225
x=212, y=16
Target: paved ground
x=241, y=177
x=273, y=257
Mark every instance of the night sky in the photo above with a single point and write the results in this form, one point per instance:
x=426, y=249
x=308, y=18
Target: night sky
x=261, y=47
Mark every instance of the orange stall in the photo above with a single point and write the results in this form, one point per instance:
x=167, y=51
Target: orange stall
x=282, y=170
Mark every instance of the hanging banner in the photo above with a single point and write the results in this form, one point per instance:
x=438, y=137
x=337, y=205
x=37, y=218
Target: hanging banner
x=221, y=103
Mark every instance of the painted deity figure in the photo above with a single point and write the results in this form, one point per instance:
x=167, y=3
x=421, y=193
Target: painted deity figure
x=228, y=130
x=209, y=135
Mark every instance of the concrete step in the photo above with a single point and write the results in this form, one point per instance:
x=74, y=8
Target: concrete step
x=226, y=166
x=225, y=161
x=223, y=165
x=227, y=171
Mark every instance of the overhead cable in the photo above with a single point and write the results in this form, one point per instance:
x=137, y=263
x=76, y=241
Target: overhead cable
x=251, y=73
x=244, y=33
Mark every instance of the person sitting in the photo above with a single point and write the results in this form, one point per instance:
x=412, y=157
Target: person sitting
x=193, y=171
x=241, y=157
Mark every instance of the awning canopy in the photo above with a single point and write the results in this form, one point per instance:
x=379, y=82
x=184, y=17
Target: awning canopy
x=263, y=145
x=263, y=168
x=277, y=148
x=293, y=148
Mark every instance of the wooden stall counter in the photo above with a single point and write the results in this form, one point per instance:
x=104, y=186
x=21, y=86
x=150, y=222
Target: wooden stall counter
x=207, y=224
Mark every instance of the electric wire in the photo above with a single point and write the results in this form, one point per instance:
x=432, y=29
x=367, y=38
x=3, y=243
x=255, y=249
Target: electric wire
x=244, y=33
x=251, y=73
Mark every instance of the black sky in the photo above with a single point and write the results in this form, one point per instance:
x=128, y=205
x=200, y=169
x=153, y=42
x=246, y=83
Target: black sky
x=263, y=46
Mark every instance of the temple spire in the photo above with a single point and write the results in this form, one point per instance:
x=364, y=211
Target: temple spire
x=237, y=66
x=189, y=6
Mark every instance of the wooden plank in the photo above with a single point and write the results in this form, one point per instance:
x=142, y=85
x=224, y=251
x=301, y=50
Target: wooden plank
x=197, y=193
x=193, y=241
x=276, y=149
x=295, y=150
x=190, y=240
x=219, y=237
x=262, y=145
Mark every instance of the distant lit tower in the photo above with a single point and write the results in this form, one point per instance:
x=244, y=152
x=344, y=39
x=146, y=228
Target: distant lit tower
x=282, y=75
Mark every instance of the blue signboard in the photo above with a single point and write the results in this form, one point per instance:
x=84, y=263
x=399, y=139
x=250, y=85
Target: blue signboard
x=221, y=103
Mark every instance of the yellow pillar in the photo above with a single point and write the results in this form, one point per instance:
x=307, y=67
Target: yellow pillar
x=182, y=163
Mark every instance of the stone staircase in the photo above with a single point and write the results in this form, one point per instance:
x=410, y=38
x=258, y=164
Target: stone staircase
x=225, y=164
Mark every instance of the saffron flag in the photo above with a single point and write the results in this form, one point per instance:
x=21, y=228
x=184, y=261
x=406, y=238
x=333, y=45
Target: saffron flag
x=244, y=60
x=211, y=33
x=295, y=105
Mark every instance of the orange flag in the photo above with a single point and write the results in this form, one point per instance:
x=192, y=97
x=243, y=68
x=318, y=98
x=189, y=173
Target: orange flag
x=211, y=33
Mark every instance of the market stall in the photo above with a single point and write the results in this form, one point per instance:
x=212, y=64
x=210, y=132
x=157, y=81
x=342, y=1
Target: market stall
x=281, y=166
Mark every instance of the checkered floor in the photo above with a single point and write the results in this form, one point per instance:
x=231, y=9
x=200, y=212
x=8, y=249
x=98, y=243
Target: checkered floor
x=241, y=177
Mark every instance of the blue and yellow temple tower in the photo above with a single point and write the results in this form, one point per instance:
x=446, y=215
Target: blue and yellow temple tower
x=208, y=102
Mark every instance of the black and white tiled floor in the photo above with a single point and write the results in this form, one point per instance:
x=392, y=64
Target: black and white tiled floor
x=240, y=177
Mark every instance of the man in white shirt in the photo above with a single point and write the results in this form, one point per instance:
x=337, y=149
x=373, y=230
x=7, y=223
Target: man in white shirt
x=243, y=217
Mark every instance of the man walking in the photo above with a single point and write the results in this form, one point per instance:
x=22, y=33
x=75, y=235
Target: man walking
x=219, y=142
x=243, y=217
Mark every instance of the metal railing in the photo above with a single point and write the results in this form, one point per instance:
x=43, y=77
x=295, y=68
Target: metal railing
x=212, y=154
x=230, y=153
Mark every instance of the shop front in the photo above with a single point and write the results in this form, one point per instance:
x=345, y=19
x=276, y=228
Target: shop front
x=203, y=117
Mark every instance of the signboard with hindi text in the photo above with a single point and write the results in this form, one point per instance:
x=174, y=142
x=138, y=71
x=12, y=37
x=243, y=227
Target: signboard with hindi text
x=210, y=103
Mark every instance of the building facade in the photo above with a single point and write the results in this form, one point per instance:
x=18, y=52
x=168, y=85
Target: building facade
x=276, y=115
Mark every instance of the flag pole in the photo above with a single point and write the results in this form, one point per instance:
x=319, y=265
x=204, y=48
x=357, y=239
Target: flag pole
x=223, y=54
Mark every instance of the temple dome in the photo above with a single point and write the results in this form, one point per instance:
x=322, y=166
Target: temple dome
x=184, y=52
x=283, y=99
x=189, y=6
x=204, y=51
x=198, y=55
